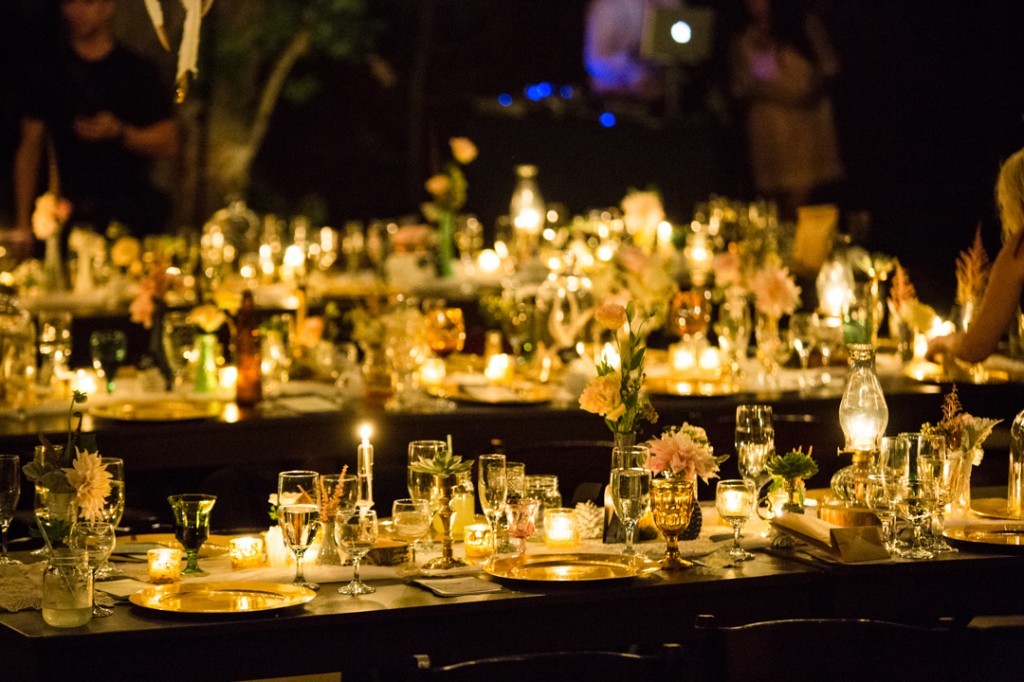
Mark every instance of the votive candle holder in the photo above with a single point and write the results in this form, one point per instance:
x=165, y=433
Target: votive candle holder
x=164, y=565
x=246, y=552
x=560, y=527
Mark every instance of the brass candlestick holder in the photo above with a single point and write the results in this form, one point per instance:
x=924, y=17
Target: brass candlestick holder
x=444, y=489
x=848, y=505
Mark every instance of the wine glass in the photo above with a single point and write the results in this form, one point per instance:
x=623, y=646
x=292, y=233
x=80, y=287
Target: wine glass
x=109, y=349
x=192, y=526
x=298, y=515
x=10, y=491
x=631, y=497
x=522, y=521
x=445, y=330
x=113, y=507
x=97, y=539
x=179, y=339
x=735, y=502
x=801, y=340
x=916, y=500
x=410, y=520
x=881, y=494
x=54, y=344
x=421, y=485
x=828, y=334
x=356, y=533
x=689, y=314
x=937, y=462
x=492, y=485
x=755, y=444
x=672, y=505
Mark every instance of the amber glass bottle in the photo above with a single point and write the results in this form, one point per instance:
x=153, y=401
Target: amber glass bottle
x=249, y=388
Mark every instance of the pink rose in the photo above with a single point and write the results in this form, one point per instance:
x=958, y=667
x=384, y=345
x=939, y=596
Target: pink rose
x=611, y=316
x=633, y=259
x=141, y=309
x=438, y=185
x=603, y=396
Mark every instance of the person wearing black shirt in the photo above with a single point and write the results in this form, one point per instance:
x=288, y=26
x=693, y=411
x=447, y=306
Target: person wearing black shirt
x=108, y=117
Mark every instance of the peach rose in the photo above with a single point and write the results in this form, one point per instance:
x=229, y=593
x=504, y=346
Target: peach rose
x=603, y=396
x=207, y=317
x=438, y=185
x=611, y=316
x=463, y=149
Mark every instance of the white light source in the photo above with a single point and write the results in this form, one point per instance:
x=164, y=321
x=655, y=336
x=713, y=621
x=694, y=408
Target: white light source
x=681, y=32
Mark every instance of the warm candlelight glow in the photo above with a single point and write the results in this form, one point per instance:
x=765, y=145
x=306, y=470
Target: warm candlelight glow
x=432, y=372
x=246, y=552
x=559, y=527
x=365, y=431
x=489, y=262
x=682, y=357
x=710, y=359
x=164, y=565
x=733, y=501
x=611, y=355
x=499, y=367
x=364, y=471
x=227, y=378
x=477, y=540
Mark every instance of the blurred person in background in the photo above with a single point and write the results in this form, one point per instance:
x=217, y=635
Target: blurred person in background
x=98, y=119
x=782, y=63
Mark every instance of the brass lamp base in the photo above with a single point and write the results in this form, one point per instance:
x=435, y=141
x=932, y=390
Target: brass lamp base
x=847, y=514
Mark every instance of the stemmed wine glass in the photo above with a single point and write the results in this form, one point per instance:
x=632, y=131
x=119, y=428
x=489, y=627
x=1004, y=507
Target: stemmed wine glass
x=10, y=491
x=109, y=349
x=735, y=502
x=916, y=500
x=421, y=486
x=356, y=532
x=631, y=496
x=410, y=520
x=192, y=526
x=672, y=506
x=492, y=485
x=522, y=521
x=755, y=444
x=298, y=515
x=801, y=340
x=113, y=507
x=179, y=339
x=97, y=539
x=937, y=462
x=880, y=494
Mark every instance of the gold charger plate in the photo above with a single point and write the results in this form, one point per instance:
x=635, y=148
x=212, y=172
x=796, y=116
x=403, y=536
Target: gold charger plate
x=571, y=568
x=516, y=393
x=222, y=597
x=1007, y=535
x=992, y=508
x=157, y=410
x=215, y=545
x=961, y=372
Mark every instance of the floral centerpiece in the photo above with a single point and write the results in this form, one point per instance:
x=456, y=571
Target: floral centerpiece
x=83, y=479
x=48, y=218
x=775, y=294
x=645, y=280
x=642, y=213
x=617, y=392
x=448, y=190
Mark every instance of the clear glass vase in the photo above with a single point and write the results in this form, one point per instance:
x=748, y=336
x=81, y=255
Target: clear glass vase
x=328, y=554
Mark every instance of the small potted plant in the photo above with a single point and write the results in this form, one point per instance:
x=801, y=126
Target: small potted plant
x=445, y=468
x=789, y=472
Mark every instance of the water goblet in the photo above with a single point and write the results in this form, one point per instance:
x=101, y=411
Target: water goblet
x=109, y=348
x=96, y=538
x=192, y=526
x=113, y=507
x=10, y=491
x=179, y=340
x=671, y=505
x=522, y=521
x=298, y=515
x=492, y=486
x=916, y=500
x=755, y=444
x=356, y=533
x=410, y=521
x=937, y=462
x=880, y=494
x=631, y=497
x=801, y=339
x=734, y=501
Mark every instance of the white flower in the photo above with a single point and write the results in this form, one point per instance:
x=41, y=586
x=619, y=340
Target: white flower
x=775, y=292
x=91, y=480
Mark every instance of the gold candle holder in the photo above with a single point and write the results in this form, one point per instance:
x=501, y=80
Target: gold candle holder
x=164, y=565
x=560, y=527
x=477, y=540
x=246, y=552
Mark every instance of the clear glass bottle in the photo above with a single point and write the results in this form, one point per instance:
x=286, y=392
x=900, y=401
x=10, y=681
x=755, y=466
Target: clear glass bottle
x=67, y=589
x=527, y=211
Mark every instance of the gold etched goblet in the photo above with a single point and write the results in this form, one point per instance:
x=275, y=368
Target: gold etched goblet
x=672, y=504
x=445, y=330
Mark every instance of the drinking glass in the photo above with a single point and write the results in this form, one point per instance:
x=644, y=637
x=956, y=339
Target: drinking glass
x=735, y=502
x=410, y=520
x=421, y=486
x=828, y=334
x=192, y=526
x=937, y=462
x=356, y=533
x=493, y=488
x=109, y=349
x=916, y=500
x=522, y=521
x=298, y=515
x=755, y=444
x=54, y=339
x=10, y=491
x=881, y=494
x=515, y=491
x=801, y=340
x=97, y=539
x=631, y=497
x=445, y=330
x=672, y=505
x=113, y=507
x=179, y=339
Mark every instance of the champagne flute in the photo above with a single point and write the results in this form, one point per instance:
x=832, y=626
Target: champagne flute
x=421, y=486
x=109, y=349
x=880, y=494
x=631, y=496
x=493, y=487
x=755, y=444
x=192, y=526
x=356, y=533
x=522, y=521
x=410, y=520
x=298, y=515
x=801, y=340
x=113, y=507
x=97, y=539
x=735, y=502
x=10, y=491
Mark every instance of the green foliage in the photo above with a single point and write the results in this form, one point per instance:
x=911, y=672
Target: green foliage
x=793, y=465
x=442, y=465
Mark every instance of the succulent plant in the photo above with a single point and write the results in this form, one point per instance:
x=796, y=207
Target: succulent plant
x=793, y=465
x=442, y=465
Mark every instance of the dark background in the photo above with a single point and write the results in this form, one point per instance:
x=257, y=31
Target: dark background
x=929, y=102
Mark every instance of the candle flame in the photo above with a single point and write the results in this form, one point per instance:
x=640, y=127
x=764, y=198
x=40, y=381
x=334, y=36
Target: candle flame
x=364, y=432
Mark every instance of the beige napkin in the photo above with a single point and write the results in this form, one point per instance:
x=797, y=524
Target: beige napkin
x=21, y=586
x=850, y=545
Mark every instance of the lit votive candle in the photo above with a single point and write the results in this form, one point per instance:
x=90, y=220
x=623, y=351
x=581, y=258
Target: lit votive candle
x=733, y=501
x=432, y=372
x=164, y=565
x=84, y=380
x=559, y=527
x=477, y=539
x=710, y=360
x=228, y=379
x=499, y=367
x=246, y=552
x=682, y=357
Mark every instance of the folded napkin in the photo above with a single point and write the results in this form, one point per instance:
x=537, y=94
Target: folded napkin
x=850, y=545
x=457, y=587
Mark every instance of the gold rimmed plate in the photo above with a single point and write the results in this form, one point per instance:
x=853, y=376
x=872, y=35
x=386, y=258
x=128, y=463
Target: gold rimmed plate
x=222, y=597
x=571, y=567
x=516, y=393
x=1009, y=535
x=993, y=508
x=157, y=410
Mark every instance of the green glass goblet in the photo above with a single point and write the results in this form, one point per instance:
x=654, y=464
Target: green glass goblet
x=192, y=526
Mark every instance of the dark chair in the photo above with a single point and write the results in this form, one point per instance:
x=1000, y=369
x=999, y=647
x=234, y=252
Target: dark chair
x=824, y=649
x=561, y=666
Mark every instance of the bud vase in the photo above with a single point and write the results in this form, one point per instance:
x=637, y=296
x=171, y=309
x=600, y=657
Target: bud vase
x=328, y=554
x=53, y=265
x=206, y=364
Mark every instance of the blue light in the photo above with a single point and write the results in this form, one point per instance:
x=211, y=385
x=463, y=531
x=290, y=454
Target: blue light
x=505, y=99
x=566, y=91
x=533, y=93
x=544, y=89
x=607, y=119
